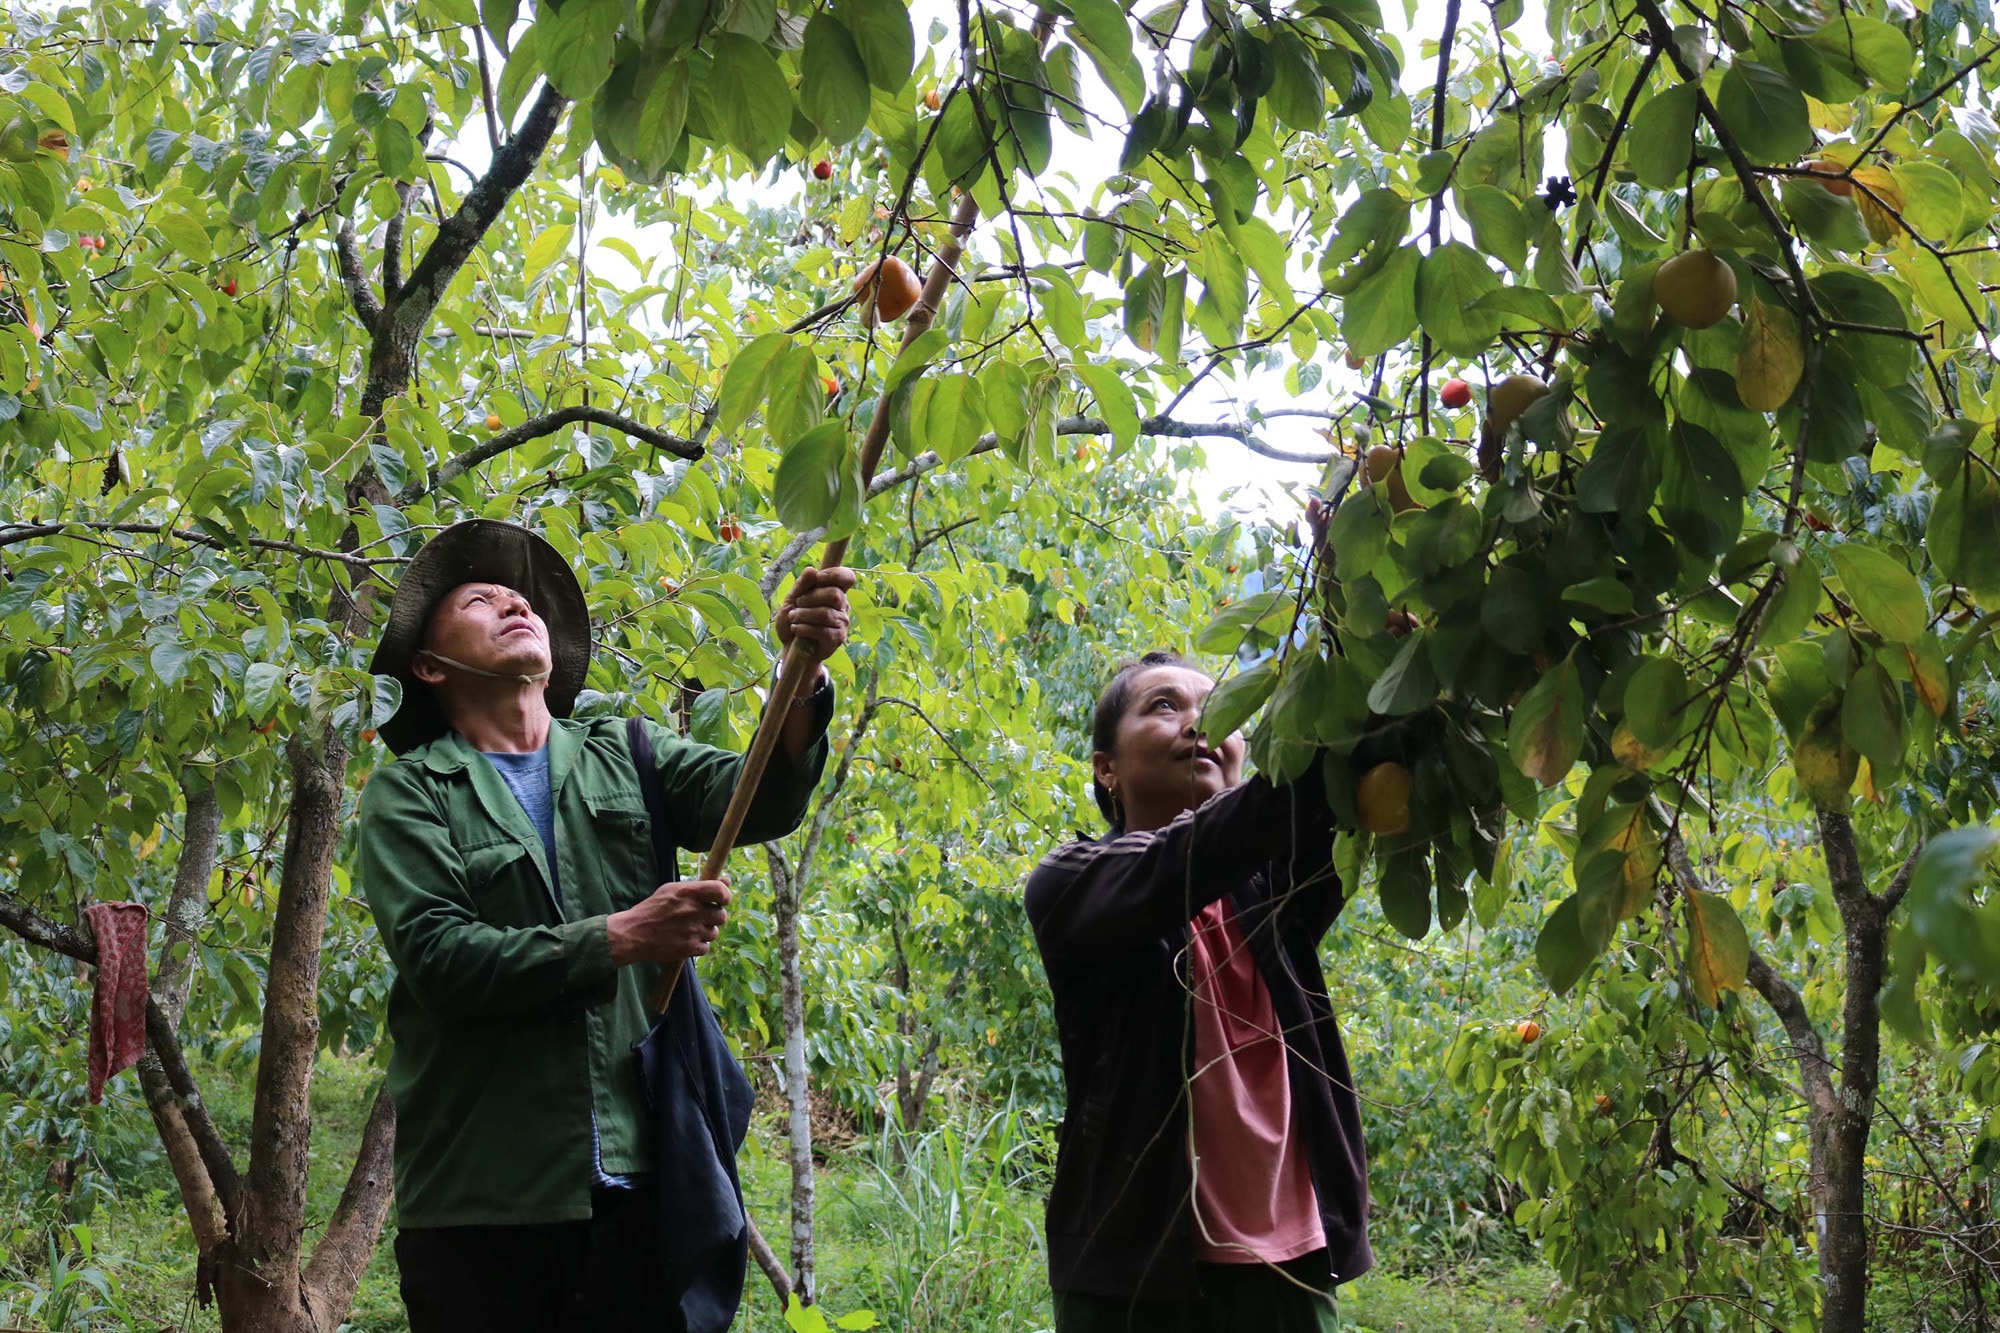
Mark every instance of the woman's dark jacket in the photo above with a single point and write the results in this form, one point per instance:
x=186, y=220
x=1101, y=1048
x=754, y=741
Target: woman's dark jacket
x=1111, y=917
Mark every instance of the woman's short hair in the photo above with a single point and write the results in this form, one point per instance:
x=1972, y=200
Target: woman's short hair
x=1111, y=706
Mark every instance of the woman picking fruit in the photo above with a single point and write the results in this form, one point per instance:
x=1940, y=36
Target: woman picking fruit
x=1211, y=1175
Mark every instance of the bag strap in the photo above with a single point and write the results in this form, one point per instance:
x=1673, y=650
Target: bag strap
x=641, y=746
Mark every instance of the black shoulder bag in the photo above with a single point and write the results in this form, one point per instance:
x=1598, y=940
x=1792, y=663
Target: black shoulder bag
x=701, y=1113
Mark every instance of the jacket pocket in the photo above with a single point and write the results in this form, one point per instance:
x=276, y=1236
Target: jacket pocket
x=623, y=835
x=505, y=885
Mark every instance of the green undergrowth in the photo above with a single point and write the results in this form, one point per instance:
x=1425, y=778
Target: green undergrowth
x=940, y=1234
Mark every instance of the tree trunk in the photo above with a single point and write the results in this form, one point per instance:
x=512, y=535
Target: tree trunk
x=795, y=1069
x=260, y=1281
x=1844, y=1234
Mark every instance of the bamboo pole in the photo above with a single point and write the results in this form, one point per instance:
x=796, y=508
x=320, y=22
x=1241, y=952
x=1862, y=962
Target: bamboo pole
x=799, y=661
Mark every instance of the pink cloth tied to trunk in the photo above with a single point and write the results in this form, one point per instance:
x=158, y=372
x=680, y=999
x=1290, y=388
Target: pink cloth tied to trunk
x=118, y=1009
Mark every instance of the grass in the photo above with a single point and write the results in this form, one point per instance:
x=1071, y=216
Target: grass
x=946, y=1239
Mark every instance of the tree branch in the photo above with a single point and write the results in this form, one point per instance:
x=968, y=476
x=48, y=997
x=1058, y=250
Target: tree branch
x=354, y=276
x=1900, y=885
x=165, y=1047
x=1843, y=863
x=760, y=1250
x=458, y=235
x=547, y=424
x=201, y=829
x=334, y=1272
x=9, y=536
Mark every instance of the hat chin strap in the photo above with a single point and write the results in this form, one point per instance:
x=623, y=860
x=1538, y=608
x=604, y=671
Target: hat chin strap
x=536, y=679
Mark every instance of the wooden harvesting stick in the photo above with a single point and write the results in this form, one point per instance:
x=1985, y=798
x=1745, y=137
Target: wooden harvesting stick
x=798, y=662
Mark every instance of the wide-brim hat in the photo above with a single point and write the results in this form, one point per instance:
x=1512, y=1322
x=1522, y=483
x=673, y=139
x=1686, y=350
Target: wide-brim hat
x=480, y=550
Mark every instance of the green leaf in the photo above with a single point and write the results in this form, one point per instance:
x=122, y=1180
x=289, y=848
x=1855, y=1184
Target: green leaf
x=1405, y=886
x=1511, y=612
x=1886, y=594
x=1115, y=402
x=1408, y=684
x=1496, y=224
x=1365, y=241
x=263, y=689
x=1231, y=627
x=1145, y=307
x=1871, y=718
x=833, y=81
x=751, y=98
x=1823, y=760
x=498, y=16
x=1545, y=734
x=1765, y=111
x=1876, y=49
x=1231, y=704
x=1718, y=948
x=1560, y=952
x=744, y=381
x=1963, y=535
x=1603, y=593
x=1792, y=609
x=954, y=416
x=1382, y=311
x=708, y=718
x=888, y=44
x=577, y=43
x=806, y=487
x=1450, y=281
x=1933, y=199
x=1964, y=935
x=549, y=245
x=1655, y=696
x=1100, y=28
x=187, y=236
x=918, y=353
x=1660, y=140
x=1298, y=90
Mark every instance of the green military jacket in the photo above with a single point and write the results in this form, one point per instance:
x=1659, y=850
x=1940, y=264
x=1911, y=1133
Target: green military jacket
x=510, y=1027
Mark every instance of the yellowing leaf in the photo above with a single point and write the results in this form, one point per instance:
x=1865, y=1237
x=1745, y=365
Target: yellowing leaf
x=1718, y=953
x=1929, y=674
x=1824, y=762
x=1880, y=199
x=1546, y=731
x=1769, y=356
x=1630, y=751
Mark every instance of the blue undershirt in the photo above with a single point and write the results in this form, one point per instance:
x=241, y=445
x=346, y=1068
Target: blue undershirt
x=527, y=776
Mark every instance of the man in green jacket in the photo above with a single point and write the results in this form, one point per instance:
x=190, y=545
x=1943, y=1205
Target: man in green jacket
x=506, y=855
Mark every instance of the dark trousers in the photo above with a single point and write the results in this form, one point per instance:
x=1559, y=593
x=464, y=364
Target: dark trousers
x=600, y=1276
x=1233, y=1298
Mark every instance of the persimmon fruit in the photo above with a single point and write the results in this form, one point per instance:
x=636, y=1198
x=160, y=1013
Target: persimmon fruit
x=1695, y=289
x=1382, y=799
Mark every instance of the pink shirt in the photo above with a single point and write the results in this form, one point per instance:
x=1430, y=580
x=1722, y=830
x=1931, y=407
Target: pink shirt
x=1253, y=1189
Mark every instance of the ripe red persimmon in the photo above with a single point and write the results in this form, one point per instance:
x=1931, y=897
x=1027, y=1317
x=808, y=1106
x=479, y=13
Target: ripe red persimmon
x=1455, y=394
x=823, y=170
